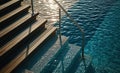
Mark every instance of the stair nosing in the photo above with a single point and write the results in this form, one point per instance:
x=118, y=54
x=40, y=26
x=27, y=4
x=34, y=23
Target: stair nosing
x=21, y=36
x=22, y=55
x=8, y=4
x=42, y=38
x=3, y=18
x=14, y=25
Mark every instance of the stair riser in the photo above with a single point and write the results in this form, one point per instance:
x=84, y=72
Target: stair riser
x=20, y=46
x=3, y=1
x=75, y=62
x=9, y=8
x=9, y=20
x=37, y=48
x=17, y=30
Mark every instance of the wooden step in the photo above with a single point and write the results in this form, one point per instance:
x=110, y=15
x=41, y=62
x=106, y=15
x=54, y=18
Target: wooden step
x=15, y=24
x=33, y=45
x=14, y=28
x=21, y=36
x=3, y=1
x=13, y=15
x=9, y=6
x=41, y=57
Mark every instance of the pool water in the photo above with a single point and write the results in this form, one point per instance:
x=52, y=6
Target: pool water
x=100, y=20
x=104, y=46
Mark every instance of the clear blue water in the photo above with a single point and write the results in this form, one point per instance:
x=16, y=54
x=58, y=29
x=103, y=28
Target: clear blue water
x=100, y=20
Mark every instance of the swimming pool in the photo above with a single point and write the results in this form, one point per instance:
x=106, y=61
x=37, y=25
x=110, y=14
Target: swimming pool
x=100, y=20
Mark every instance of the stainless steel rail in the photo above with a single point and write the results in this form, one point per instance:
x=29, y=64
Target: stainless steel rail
x=32, y=6
x=76, y=24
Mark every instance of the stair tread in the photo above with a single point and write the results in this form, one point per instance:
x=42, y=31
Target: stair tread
x=51, y=52
x=20, y=36
x=67, y=59
x=81, y=67
x=8, y=4
x=15, y=62
x=41, y=57
x=3, y=18
x=14, y=25
x=41, y=38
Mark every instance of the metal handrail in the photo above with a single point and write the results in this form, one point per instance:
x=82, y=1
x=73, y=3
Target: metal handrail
x=76, y=24
x=32, y=7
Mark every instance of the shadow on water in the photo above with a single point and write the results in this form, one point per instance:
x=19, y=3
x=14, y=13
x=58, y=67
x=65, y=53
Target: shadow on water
x=32, y=59
x=89, y=16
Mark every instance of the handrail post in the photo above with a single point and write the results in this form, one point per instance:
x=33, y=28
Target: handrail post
x=83, y=44
x=76, y=24
x=60, y=38
x=32, y=7
x=60, y=27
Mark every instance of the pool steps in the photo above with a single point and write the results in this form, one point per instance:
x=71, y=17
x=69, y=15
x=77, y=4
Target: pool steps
x=22, y=20
x=3, y=1
x=20, y=33
x=67, y=59
x=23, y=38
x=4, y=8
x=13, y=14
x=40, y=59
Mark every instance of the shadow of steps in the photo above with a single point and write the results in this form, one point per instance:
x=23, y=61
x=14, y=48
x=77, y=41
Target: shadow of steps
x=13, y=14
x=28, y=50
x=40, y=58
x=20, y=37
x=4, y=1
x=9, y=6
x=16, y=24
x=20, y=33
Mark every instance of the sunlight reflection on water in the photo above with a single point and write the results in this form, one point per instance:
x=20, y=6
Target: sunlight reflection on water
x=48, y=9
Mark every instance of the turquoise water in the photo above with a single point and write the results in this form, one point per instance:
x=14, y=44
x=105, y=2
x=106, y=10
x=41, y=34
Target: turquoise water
x=104, y=46
x=100, y=20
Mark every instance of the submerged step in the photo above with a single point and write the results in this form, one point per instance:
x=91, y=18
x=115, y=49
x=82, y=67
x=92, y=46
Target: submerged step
x=21, y=36
x=28, y=71
x=42, y=56
x=67, y=59
x=84, y=66
x=27, y=51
